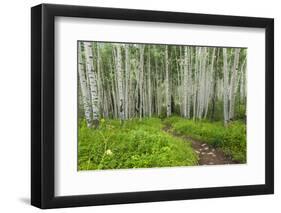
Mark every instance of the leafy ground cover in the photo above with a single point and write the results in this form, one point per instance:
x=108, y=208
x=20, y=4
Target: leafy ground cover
x=133, y=144
x=231, y=139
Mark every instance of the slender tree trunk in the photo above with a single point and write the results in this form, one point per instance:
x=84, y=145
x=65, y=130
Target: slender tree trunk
x=149, y=87
x=84, y=89
x=214, y=89
x=189, y=98
x=120, y=82
x=113, y=89
x=116, y=84
x=211, y=81
x=201, y=82
x=168, y=96
x=141, y=109
x=242, y=80
x=225, y=86
x=99, y=80
x=182, y=88
x=127, y=78
x=93, y=81
x=233, y=82
x=185, y=83
x=195, y=87
x=158, y=93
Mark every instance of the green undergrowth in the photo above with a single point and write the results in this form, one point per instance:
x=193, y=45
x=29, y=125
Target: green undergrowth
x=134, y=144
x=231, y=139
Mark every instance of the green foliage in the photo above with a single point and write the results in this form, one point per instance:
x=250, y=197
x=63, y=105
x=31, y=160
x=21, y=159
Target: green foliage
x=218, y=112
x=240, y=111
x=231, y=139
x=133, y=144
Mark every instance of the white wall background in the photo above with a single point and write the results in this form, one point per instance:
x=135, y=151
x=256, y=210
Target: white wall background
x=15, y=105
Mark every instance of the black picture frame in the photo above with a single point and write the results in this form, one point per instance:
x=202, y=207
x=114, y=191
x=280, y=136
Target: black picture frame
x=43, y=105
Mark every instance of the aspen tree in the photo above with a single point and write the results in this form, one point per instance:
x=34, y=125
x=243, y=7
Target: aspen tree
x=83, y=86
x=120, y=82
x=225, y=87
x=92, y=81
x=141, y=70
x=167, y=83
x=233, y=83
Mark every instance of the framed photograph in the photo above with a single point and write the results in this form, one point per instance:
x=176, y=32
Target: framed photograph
x=139, y=106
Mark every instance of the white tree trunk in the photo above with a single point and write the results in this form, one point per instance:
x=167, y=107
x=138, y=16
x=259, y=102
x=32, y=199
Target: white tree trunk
x=158, y=93
x=168, y=96
x=120, y=82
x=149, y=87
x=185, y=83
x=242, y=80
x=233, y=82
x=92, y=81
x=225, y=86
x=127, y=79
x=84, y=89
x=99, y=86
x=141, y=108
x=202, y=77
x=195, y=84
x=210, y=80
x=113, y=89
x=189, y=80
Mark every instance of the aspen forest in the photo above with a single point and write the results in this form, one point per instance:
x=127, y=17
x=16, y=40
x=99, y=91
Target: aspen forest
x=157, y=105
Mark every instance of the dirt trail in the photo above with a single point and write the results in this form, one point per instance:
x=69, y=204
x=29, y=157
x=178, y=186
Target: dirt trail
x=207, y=154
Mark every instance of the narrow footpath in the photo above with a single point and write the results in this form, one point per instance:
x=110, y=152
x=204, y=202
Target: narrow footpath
x=207, y=154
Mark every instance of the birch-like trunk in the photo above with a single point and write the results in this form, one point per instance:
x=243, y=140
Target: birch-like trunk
x=113, y=89
x=120, y=82
x=201, y=81
x=149, y=87
x=214, y=85
x=189, y=80
x=211, y=81
x=232, y=84
x=185, y=83
x=242, y=80
x=225, y=86
x=195, y=84
x=92, y=81
x=141, y=66
x=158, y=93
x=84, y=89
x=99, y=86
x=127, y=78
x=168, y=96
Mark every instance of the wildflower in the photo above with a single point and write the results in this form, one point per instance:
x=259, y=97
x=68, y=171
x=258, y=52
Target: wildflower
x=108, y=152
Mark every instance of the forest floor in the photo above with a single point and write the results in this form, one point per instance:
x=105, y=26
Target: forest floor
x=155, y=142
x=207, y=155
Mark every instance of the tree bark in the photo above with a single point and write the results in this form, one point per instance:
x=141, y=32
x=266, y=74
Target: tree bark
x=185, y=83
x=84, y=89
x=120, y=82
x=92, y=81
x=127, y=79
x=168, y=96
x=215, y=88
x=141, y=108
x=232, y=83
x=211, y=81
x=149, y=86
x=225, y=87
